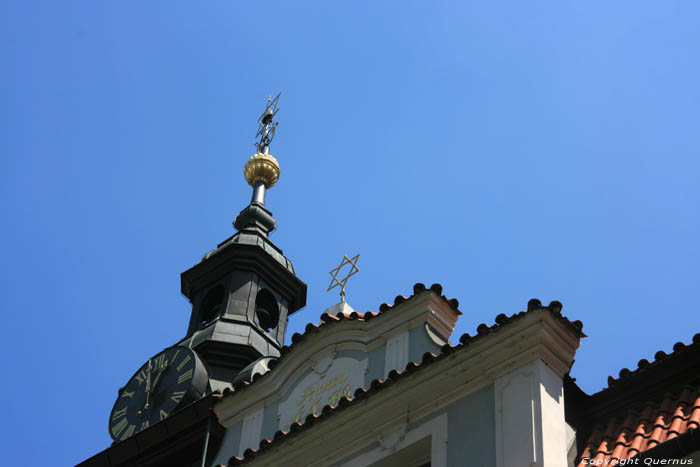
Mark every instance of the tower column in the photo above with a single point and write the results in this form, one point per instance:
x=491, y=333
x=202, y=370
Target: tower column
x=259, y=194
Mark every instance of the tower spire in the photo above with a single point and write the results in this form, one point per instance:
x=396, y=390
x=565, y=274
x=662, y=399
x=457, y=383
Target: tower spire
x=243, y=291
x=261, y=172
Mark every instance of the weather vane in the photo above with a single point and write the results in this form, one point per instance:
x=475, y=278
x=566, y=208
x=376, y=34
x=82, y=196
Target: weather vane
x=267, y=124
x=335, y=282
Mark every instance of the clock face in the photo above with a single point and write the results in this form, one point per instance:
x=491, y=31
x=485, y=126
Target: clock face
x=166, y=382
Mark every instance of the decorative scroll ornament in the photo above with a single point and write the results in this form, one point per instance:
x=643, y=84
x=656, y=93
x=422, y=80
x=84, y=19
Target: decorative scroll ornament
x=322, y=365
x=390, y=441
x=267, y=125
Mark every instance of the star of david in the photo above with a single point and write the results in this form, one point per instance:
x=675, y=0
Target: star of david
x=335, y=282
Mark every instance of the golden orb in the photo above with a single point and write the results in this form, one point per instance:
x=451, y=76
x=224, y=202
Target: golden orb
x=262, y=168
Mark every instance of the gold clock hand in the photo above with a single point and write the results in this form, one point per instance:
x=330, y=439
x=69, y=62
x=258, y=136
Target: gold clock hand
x=148, y=384
x=162, y=369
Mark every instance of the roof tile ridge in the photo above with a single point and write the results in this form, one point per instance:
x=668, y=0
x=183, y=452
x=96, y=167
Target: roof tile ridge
x=586, y=454
x=611, y=429
x=393, y=375
x=661, y=425
x=419, y=288
x=637, y=440
x=667, y=404
x=678, y=426
x=687, y=394
x=595, y=436
x=618, y=452
x=644, y=364
x=682, y=416
x=606, y=442
x=624, y=437
x=631, y=420
x=326, y=319
x=694, y=417
x=533, y=304
x=648, y=412
x=682, y=410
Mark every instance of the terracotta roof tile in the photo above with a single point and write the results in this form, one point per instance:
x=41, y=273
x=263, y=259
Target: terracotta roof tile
x=394, y=375
x=643, y=428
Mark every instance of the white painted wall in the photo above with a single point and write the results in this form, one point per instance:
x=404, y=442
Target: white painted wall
x=530, y=424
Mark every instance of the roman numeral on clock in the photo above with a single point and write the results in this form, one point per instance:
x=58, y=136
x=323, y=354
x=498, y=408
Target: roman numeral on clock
x=177, y=396
x=141, y=376
x=163, y=414
x=117, y=429
x=128, y=432
x=119, y=413
x=144, y=425
x=183, y=363
x=185, y=376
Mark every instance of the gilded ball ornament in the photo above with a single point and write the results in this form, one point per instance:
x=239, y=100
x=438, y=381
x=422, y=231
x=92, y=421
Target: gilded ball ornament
x=262, y=168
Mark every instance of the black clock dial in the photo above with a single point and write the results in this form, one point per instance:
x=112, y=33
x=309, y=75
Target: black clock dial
x=166, y=382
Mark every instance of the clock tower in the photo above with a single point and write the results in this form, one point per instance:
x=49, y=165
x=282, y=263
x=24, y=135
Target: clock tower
x=243, y=292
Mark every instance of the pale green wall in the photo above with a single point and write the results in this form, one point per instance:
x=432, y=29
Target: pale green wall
x=470, y=431
x=269, y=425
x=375, y=365
x=471, y=428
x=229, y=445
x=419, y=343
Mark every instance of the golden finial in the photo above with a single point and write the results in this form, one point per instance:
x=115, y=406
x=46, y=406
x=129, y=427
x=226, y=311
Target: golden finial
x=262, y=168
x=335, y=282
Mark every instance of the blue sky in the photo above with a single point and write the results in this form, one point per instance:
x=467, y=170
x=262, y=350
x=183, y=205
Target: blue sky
x=506, y=150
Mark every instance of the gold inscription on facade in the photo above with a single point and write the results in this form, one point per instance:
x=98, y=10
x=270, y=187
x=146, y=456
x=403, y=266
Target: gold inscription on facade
x=311, y=399
x=316, y=390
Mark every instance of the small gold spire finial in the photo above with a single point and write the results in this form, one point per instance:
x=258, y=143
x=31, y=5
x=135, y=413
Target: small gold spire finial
x=335, y=282
x=262, y=168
